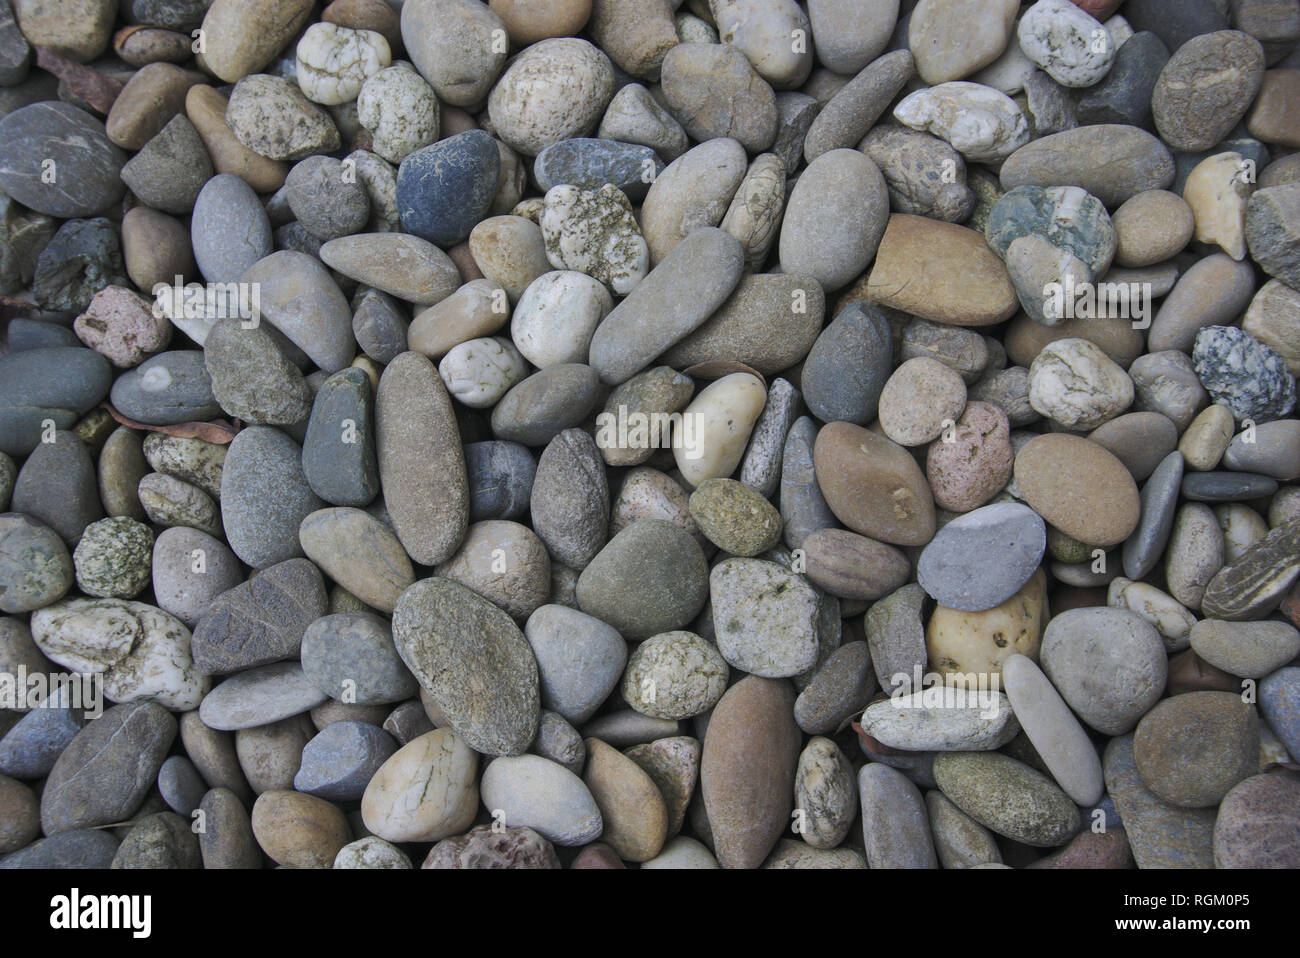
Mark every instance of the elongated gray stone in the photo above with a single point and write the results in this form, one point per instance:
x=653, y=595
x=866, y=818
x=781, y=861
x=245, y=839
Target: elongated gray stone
x=1055, y=733
x=982, y=558
x=1158, y=503
x=260, y=696
x=264, y=496
x=895, y=824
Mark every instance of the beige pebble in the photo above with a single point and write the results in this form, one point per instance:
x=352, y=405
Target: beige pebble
x=1207, y=437
x=1151, y=227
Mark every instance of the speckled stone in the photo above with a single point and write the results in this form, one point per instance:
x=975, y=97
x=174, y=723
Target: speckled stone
x=444, y=189
x=1243, y=374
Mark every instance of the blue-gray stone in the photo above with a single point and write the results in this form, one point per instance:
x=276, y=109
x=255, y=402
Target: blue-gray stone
x=981, y=559
x=57, y=486
x=183, y=15
x=15, y=53
x=265, y=496
x=444, y=189
x=590, y=163
x=1158, y=503
x=339, y=762
x=166, y=389
x=181, y=785
x=545, y=404
x=87, y=165
x=1176, y=21
x=803, y=507
x=229, y=229
x=294, y=236
x=848, y=365
x=27, y=334
x=29, y=749
x=80, y=849
x=1227, y=486
x=379, y=326
x=1124, y=96
x=83, y=257
x=1240, y=372
x=1067, y=217
x=58, y=383
x=500, y=479
x=351, y=654
x=338, y=454
x=1279, y=701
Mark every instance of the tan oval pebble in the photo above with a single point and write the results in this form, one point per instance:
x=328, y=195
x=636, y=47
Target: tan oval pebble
x=426, y=791
x=977, y=643
x=1195, y=553
x=206, y=109
x=243, y=36
x=873, y=485
x=1079, y=487
x=528, y=21
x=735, y=517
x=358, y=552
x=510, y=252
x=477, y=309
x=153, y=95
x=299, y=830
x=969, y=466
x=1191, y=749
x=919, y=400
x=155, y=247
x=1242, y=527
x=1249, y=649
x=1114, y=336
x=496, y=544
x=1151, y=227
x=631, y=806
x=1206, y=439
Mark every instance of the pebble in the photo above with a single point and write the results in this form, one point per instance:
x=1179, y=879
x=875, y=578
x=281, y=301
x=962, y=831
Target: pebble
x=481, y=847
x=908, y=159
x=479, y=372
x=747, y=770
x=427, y=619
x=540, y=794
x=756, y=209
x=1063, y=39
x=1008, y=797
x=1207, y=438
x=835, y=218
x=579, y=660
x=1216, y=737
x=1053, y=730
x=594, y=233
x=969, y=470
x=850, y=566
x=298, y=830
x=1157, y=504
x=1095, y=500
x=332, y=62
x=633, y=812
x=400, y=110
x=35, y=567
x=1214, y=291
x=849, y=36
x=803, y=507
x=723, y=416
x=1109, y=665
x=1166, y=382
x=1243, y=374
x=693, y=191
x=1113, y=162
x=83, y=257
x=589, y=164
x=1273, y=451
x=766, y=618
x=983, y=124
x=169, y=502
x=371, y=852
x=490, y=545
x=841, y=687
x=545, y=404
x=88, y=174
x=1278, y=705
x=959, y=840
x=339, y=762
x=1140, y=440
x=556, y=89
x=112, y=560
x=873, y=486
x=444, y=189
x=1255, y=822
x=1271, y=230
x=762, y=30
x=1206, y=87
x=270, y=116
x=925, y=723
x=953, y=43
x=849, y=366
x=979, y=642
x=425, y=792
x=260, y=696
x=957, y=570
x=895, y=825
x=635, y=116
x=452, y=44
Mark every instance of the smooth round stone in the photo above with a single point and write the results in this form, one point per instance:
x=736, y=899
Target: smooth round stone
x=229, y=229
x=298, y=830
x=500, y=479
x=1249, y=649
x=1074, y=383
x=590, y=163
x=79, y=848
x=850, y=566
x=694, y=191
x=351, y=657
x=835, y=218
x=1256, y=822
x=579, y=660
x=649, y=578
x=339, y=762
x=259, y=696
x=840, y=688
x=454, y=44
x=556, y=89
x=674, y=675
x=873, y=486
x=735, y=517
x=1008, y=797
x=917, y=399
x=104, y=773
x=57, y=486
x=556, y=317
x=429, y=623
x=540, y=794
x=1140, y=440
x=850, y=35
x=245, y=36
x=265, y=496
x=444, y=189
x=1053, y=730
x=503, y=562
x=1079, y=487
x=716, y=92
x=1191, y=749
x=479, y=372
x=301, y=300
x=921, y=723
x=747, y=770
x=1113, y=162
x=538, y=409
x=86, y=163
x=974, y=462
x=1158, y=502
x=510, y=252
x=953, y=43
x=848, y=367
x=1151, y=227
x=1108, y=664
x=634, y=814
x=425, y=791
x=59, y=383
x=1206, y=88
x=720, y=421
x=1227, y=486
x=421, y=465
x=957, y=568
x=35, y=567
x=172, y=387
x=30, y=748
x=765, y=618
x=570, y=499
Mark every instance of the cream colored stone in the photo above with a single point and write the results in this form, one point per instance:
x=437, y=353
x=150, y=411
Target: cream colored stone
x=979, y=642
x=715, y=427
x=427, y=790
x=1218, y=192
x=1170, y=617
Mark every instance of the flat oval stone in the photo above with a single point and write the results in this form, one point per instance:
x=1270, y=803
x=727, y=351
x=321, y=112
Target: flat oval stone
x=848, y=366
x=229, y=229
x=589, y=164
x=444, y=189
x=538, y=409
x=1007, y=797
x=358, y=552
x=169, y=388
x=425, y=791
x=873, y=485
x=840, y=688
x=421, y=464
x=30, y=748
x=1079, y=487
x=1140, y=440
x=59, y=383
x=1053, y=730
x=543, y=795
x=1113, y=162
x=1205, y=88
x=1251, y=650
x=86, y=163
x=1158, y=502
x=339, y=762
x=453, y=641
x=671, y=302
x=579, y=660
x=570, y=499
x=260, y=696
x=1191, y=749
x=850, y=566
x=352, y=654
x=803, y=507
x=981, y=559
x=895, y=826
x=765, y=617
x=264, y=496
x=693, y=191
x=941, y=720
x=1227, y=486
x=404, y=266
